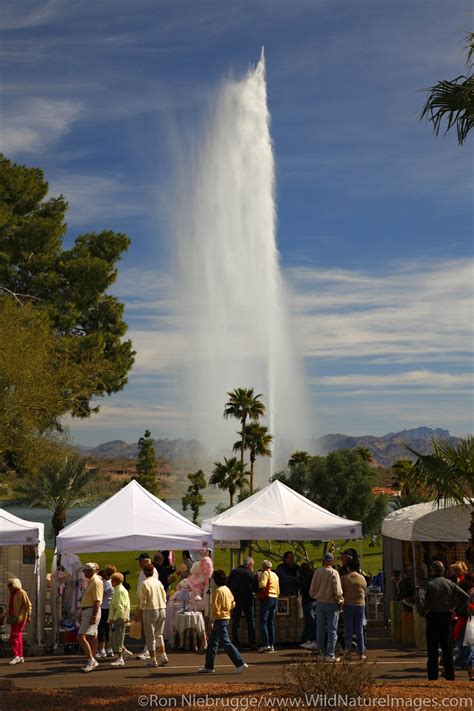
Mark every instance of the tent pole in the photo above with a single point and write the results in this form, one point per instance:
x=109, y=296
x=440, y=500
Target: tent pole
x=37, y=573
x=362, y=554
x=415, y=576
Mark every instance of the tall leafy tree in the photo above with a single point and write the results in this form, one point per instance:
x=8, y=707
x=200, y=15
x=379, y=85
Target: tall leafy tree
x=257, y=442
x=452, y=102
x=70, y=285
x=229, y=475
x=193, y=499
x=365, y=453
x=59, y=486
x=147, y=465
x=37, y=375
x=244, y=404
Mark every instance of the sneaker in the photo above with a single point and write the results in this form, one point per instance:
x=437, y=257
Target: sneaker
x=118, y=663
x=266, y=648
x=127, y=652
x=311, y=645
x=272, y=648
x=16, y=660
x=163, y=662
x=110, y=653
x=205, y=670
x=152, y=663
x=362, y=657
x=243, y=667
x=143, y=656
x=100, y=654
x=304, y=645
x=331, y=659
x=91, y=664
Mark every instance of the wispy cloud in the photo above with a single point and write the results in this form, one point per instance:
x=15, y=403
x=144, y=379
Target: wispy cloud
x=33, y=125
x=416, y=311
x=28, y=13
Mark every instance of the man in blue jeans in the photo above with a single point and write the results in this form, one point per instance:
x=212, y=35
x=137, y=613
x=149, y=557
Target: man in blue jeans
x=243, y=583
x=326, y=589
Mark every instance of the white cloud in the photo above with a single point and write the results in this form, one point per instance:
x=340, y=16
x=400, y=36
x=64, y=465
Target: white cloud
x=411, y=379
x=16, y=15
x=416, y=311
x=33, y=125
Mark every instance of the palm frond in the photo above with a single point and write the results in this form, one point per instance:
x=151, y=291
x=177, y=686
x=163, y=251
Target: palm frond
x=453, y=102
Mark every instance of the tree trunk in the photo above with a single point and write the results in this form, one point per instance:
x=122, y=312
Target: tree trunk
x=252, y=464
x=243, y=421
x=58, y=521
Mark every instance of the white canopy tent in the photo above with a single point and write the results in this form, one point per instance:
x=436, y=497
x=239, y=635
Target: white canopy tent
x=30, y=568
x=279, y=513
x=427, y=522
x=131, y=520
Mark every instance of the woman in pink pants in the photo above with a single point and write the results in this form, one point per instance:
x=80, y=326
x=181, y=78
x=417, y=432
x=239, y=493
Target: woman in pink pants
x=19, y=614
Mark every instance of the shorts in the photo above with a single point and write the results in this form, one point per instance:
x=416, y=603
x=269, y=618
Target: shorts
x=86, y=627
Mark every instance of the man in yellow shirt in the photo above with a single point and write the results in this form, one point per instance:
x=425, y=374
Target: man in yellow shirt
x=90, y=615
x=222, y=602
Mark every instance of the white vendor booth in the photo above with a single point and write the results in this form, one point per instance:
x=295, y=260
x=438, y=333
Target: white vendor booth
x=22, y=555
x=131, y=520
x=411, y=537
x=280, y=513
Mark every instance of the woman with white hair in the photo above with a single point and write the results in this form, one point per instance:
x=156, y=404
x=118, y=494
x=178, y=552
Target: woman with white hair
x=19, y=614
x=268, y=592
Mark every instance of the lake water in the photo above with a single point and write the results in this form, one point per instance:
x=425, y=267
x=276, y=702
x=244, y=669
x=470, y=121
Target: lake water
x=39, y=515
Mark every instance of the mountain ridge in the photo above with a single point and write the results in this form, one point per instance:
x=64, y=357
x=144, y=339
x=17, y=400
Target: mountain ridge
x=385, y=449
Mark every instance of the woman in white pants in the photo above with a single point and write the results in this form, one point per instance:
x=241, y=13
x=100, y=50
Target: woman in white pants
x=152, y=611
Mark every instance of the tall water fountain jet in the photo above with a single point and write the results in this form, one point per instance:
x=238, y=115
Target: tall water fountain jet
x=232, y=300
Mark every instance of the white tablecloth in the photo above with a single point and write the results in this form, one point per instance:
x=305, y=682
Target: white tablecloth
x=189, y=631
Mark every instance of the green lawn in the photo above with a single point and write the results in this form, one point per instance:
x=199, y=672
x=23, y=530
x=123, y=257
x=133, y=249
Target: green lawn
x=372, y=559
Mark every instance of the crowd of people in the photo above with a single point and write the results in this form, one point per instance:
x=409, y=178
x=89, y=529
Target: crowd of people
x=445, y=598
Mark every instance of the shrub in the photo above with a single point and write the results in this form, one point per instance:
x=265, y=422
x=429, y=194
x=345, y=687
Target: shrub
x=348, y=679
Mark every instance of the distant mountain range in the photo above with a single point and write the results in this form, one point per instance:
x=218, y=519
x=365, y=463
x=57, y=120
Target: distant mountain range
x=171, y=450
x=385, y=450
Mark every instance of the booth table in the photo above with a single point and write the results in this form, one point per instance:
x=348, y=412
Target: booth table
x=189, y=631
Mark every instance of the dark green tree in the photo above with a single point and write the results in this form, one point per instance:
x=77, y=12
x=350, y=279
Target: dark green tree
x=229, y=475
x=298, y=457
x=193, y=499
x=70, y=285
x=453, y=101
x=243, y=404
x=147, y=465
x=257, y=442
x=59, y=486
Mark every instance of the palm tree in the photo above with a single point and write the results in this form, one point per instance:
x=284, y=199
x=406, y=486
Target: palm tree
x=298, y=457
x=229, y=475
x=453, y=100
x=59, y=486
x=401, y=470
x=257, y=441
x=447, y=473
x=364, y=453
x=243, y=404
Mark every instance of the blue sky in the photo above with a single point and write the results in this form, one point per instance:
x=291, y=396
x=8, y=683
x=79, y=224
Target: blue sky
x=374, y=212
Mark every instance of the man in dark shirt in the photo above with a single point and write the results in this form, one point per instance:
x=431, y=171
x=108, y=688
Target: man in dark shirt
x=441, y=597
x=243, y=583
x=288, y=575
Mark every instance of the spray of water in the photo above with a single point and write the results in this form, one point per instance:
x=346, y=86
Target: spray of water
x=232, y=299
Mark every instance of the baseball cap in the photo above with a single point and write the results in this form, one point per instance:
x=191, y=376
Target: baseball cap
x=328, y=557
x=142, y=556
x=89, y=566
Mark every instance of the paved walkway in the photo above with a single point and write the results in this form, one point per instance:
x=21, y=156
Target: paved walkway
x=394, y=662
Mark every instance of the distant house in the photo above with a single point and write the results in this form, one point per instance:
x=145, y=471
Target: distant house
x=377, y=490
